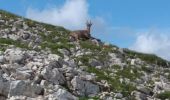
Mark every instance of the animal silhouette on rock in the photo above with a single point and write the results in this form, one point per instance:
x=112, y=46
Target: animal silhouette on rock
x=82, y=34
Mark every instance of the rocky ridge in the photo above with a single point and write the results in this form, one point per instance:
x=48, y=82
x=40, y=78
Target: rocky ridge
x=39, y=62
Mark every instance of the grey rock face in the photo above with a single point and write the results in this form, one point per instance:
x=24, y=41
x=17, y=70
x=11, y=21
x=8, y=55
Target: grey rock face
x=95, y=63
x=13, y=37
x=2, y=21
x=84, y=88
x=144, y=90
x=115, y=59
x=25, y=88
x=139, y=96
x=55, y=64
x=14, y=55
x=4, y=88
x=118, y=95
x=2, y=59
x=53, y=57
x=64, y=51
x=62, y=94
x=26, y=36
x=23, y=75
x=19, y=98
x=53, y=75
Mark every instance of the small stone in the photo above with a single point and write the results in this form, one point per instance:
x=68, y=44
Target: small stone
x=53, y=57
x=118, y=95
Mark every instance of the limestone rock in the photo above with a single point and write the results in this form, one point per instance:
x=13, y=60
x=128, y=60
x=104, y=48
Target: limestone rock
x=53, y=75
x=25, y=88
x=95, y=63
x=2, y=59
x=4, y=88
x=62, y=94
x=14, y=55
x=84, y=88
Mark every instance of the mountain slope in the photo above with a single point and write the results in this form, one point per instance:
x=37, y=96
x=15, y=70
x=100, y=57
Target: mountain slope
x=37, y=61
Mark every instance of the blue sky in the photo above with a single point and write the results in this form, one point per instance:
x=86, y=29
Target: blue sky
x=122, y=13
x=141, y=25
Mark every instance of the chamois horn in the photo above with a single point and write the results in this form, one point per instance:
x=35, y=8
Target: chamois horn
x=89, y=22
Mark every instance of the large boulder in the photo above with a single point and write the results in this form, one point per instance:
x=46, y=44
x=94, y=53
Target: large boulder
x=139, y=96
x=25, y=36
x=55, y=64
x=13, y=37
x=15, y=55
x=19, y=87
x=64, y=52
x=2, y=59
x=53, y=75
x=23, y=75
x=94, y=63
x=144, y=90
x=69, y=73
x=84, y=88
x=4, y=89
x=62, y=94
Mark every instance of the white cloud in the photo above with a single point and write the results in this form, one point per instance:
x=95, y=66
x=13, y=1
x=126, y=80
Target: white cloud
x=149, y=42
x=73, y=14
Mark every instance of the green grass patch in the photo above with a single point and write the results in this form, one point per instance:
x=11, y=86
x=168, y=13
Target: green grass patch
x=54, y=47
x=149, y=58
x=12, y=42
x=146, y=69
x=117, y=67
x=8, y=15
x=164, y=95
x=116, y=86
x=88, y=45
x=129, y=72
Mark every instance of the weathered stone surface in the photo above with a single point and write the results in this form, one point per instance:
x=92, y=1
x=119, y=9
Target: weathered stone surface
x=4, y=88
x=2, y=59
x=144, y=90
x=23, y=75
x=56, y=64
x=84, y=88
x=95, y=63
x=62, y=94
x=13, y=37
x=26, y=36
x=53, y=57
x=139, y=96
x=53, y=75
x=14, y=55
x=25, y=88
x=18, y=98
x=65, y=52
x=118, y=95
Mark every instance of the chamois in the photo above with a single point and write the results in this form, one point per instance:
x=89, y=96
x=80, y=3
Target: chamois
x=82, y=34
